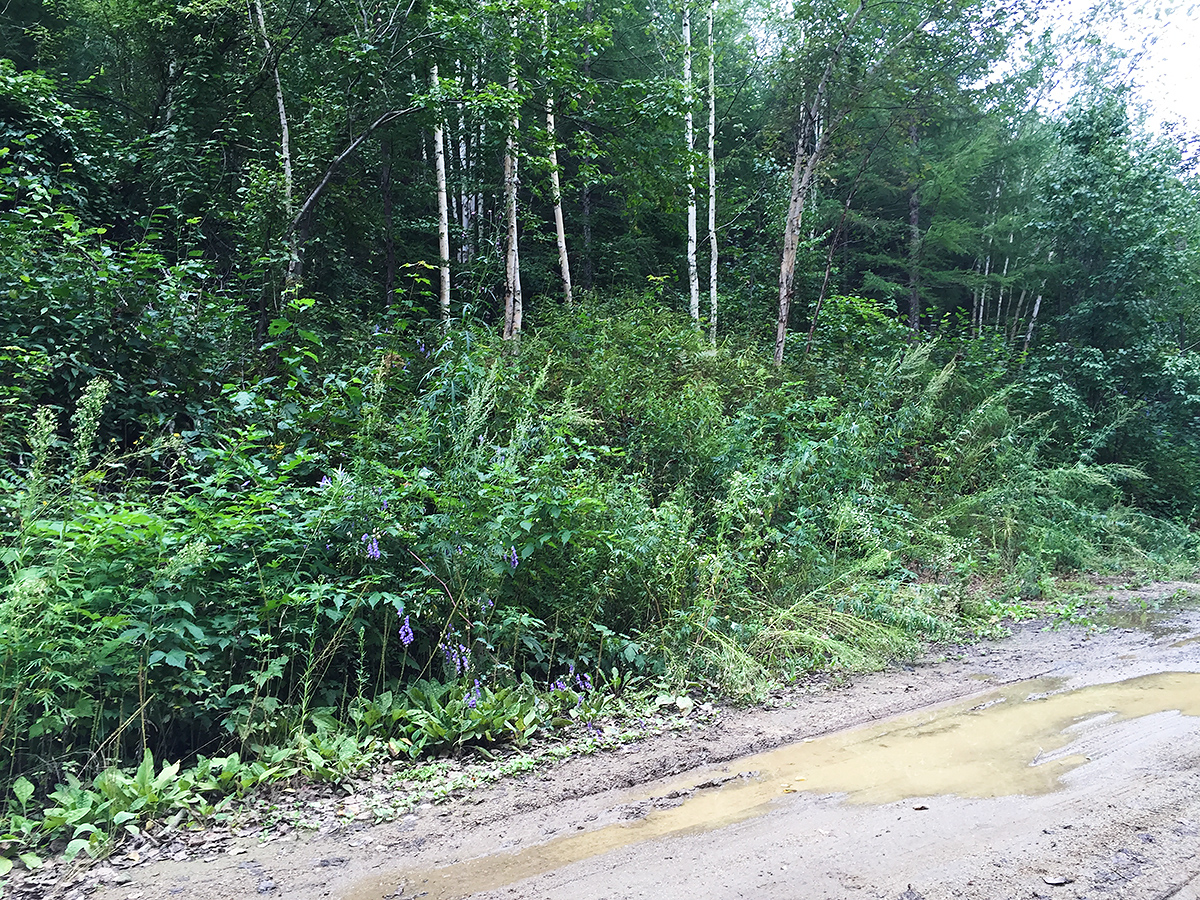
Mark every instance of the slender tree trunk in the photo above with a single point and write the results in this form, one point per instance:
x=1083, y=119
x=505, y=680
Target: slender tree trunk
x=585, y=202
x=464, y=195
x=712, y=178
x=803, y=169
x=1011, y=330
x=914, y=240
x=439, y=163
x=810, y=147
x=512, y=287
x=1003, y=279
x=389, y=239
x=560, y=231
x=914, y=258
x=585, y=198
x=1037, y=305
x=478, y=208
x=689, y=142
x=295, y=264
x=983, y=297
x=975, y=293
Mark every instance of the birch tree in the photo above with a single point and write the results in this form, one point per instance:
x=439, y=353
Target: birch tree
x=712, y=178
x=513, y=311
x=560, y=230
x=689, y=143
x=439, y=160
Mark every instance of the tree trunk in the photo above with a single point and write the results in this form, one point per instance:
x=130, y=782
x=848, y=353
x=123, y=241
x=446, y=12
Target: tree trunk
x=983, y=297
x=712, y=179
x=586, y=192
x=1003, y=279
x=389, y=239
x=914, y=257
x=689, y=141
x=1011, y=331
x=1037, y=305
x=914, y=241
x=810, y=146
x=512, y=266
x=802, y=175
x=295, y=262
x=465, y=198
x=439, y=162
x=560, y=231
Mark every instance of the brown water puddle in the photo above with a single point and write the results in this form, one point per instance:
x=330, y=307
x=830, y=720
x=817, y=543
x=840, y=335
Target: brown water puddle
x=1001, y=743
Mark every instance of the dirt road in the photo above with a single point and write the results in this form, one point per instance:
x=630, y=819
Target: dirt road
x=1051, y=764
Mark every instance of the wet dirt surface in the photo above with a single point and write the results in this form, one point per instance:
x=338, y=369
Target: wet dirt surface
x=1054, y=763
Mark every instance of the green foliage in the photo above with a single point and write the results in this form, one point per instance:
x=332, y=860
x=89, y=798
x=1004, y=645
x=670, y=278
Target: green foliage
x=252, y=502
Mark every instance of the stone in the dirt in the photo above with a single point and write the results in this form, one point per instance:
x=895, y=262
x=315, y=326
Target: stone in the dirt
x=910, y=894
x=266, y=886
x=1057, y=880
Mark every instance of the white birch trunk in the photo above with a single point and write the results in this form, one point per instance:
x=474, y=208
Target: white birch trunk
x=712, y=179
x=439, y=161
x=560, y=230
x=285, y=148
x=512, y=261
x=464, y=196
x=810, y=147
x=1003, y=278
x=689, y=141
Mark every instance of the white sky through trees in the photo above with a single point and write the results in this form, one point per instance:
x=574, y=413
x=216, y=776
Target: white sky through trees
x=1160, y=41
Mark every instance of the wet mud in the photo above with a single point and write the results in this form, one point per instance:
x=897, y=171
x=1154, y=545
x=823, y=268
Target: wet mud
x=1018, y=740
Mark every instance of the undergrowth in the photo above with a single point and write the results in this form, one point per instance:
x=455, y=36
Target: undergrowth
x=437, y=544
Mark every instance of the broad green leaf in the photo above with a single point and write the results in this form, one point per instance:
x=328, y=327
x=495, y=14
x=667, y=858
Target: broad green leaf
x=23, y=788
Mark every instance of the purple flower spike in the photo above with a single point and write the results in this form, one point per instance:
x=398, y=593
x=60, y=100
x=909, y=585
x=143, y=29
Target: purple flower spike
x=325, y=482
x=372, y=547
x=513, y=559
x=457, y=657
x=406, y=632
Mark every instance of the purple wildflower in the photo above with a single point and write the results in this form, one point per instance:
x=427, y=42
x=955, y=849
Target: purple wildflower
x=512, y=558
x=325, y=482
x=406, y=632
x=372, y=546
x=457, y=658
x=475, y=693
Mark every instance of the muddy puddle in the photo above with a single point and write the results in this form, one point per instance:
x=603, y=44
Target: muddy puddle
x=1158, y=623
x=1013, y=740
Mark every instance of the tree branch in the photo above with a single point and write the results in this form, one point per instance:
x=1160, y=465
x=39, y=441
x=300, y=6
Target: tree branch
x=314, y=195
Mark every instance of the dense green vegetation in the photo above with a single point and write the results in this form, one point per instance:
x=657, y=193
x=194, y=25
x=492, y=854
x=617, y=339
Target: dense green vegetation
x=268, y=506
